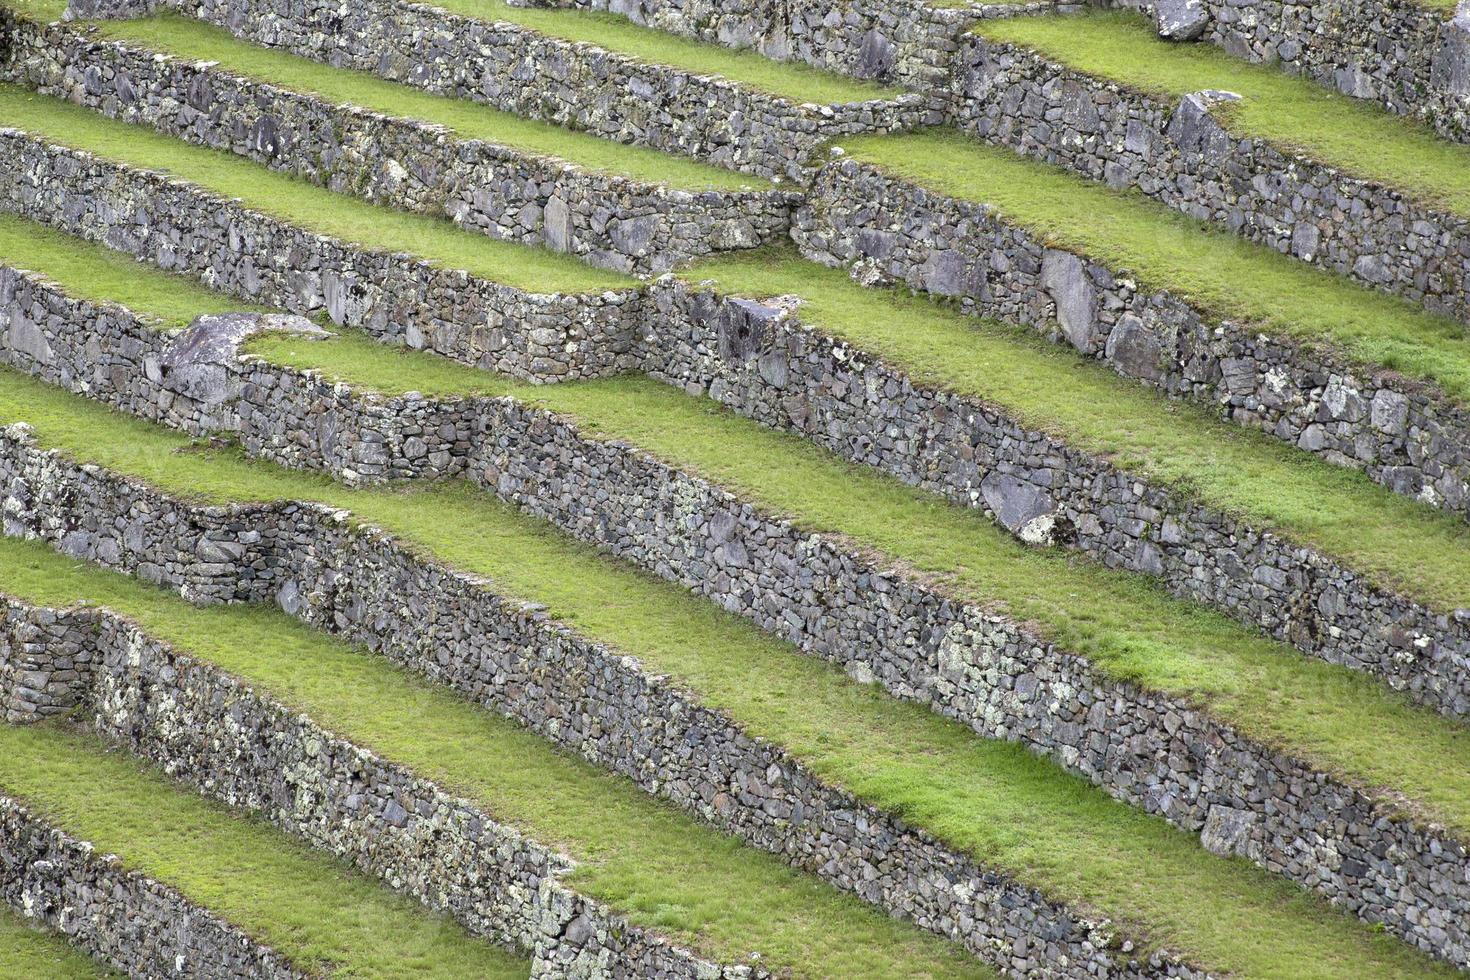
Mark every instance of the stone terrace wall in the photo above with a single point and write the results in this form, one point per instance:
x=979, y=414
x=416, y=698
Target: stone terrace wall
x=1181, y=156
x=905, y=42
x=45, y=664
x=959, y=249
x=879, y=625
x=570, y=83
x=359, y=584
x=218, y=735
x=125, y=919
x=610, y=221
x=1410, y=59
x=182, y=228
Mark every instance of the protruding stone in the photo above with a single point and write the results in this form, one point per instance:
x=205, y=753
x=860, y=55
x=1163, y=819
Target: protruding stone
x=1450, y=69
x=1064, y=277
x=1023, y=508
x=1181, y=20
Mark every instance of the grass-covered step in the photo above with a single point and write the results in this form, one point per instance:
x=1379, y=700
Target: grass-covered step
x=1382, y=592
x=1408, y=57
x=597, y=73
x=29, y=951
x=410, y=278
x=655, y=865
x=984, y=797
x=225, y=894
x=142, y=691
x=229, y=738
x=885, y=627
x=619, y=207
x=1307, y=171
x=1361, y=378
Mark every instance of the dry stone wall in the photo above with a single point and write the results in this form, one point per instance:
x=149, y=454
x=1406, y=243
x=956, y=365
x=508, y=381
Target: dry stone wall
x=215, y=733
x=1411, y=59
x=507, y=655
x=1182, y=156
x=878, y=625
x=395, y=297
x=905, y=42
x=896, y=231
x=125, y=919
x=1294, y=592
x=609, y=221
x=572, y=83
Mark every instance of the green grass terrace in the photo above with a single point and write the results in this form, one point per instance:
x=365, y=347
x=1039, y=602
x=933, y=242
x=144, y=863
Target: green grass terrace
x=1292, y=113
x=1340, y=720
x=1396, y=542
x=320, y=915
x=989, y=799
x=26, y=951
x=793, y=82
x=195, y=40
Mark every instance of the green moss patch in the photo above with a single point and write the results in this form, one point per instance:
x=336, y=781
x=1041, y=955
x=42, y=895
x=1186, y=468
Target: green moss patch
x=315, y=911
x=304, y=205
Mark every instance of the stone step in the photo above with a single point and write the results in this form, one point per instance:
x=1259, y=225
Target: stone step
x=1412, y=58
x=601, y=75
x=1276, y=159
x=142, y=689
x=921, y=643
x=155, y=881
x=1177, y=509
x=615, y=206
x=1360, y=379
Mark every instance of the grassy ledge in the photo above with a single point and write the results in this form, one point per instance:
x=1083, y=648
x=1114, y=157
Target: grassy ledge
x=1395, y=541
x=654, y=862
x=1219, y=273
x=318, y=913
x=795, y=82
x=1340, y=720
x=305, y=205
x=26, y=951
x=195, y=40
x=991, y=799
x=1291, y=112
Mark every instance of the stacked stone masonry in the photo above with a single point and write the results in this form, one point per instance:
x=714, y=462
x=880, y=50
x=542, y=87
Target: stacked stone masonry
x=1410, y=59
x=395, y=297
x=569, y=83
x=513, y=659
x=1181, y=155
x=905, y=42
x=209, y=730
x=966, y=451
x=1166, y=756
x=133, y=923
x=891, y=230
x=610, y=221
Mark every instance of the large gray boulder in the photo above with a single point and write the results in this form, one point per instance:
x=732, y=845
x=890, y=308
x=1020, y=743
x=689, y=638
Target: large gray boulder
x=202, y=362
x=1181, y=20
x=1450, y=69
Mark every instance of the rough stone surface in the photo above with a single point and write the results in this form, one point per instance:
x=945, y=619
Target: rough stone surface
x=183, y=228
x=573, y=83
x=214, y=732
x=127, y=920
x=610, y=221
x=861, y=217
x=1168, y=757
x=511, y=658
x=1181, y=156
x=906, y=42
x=1181, y=20
x=1408, y=58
